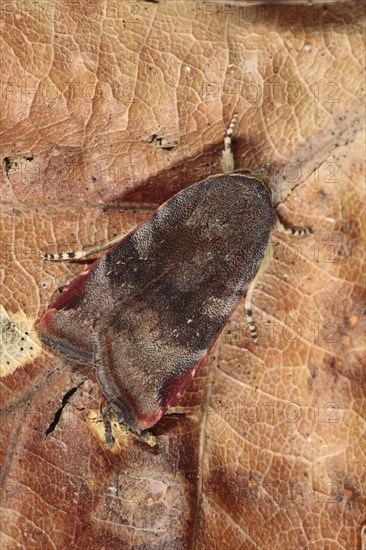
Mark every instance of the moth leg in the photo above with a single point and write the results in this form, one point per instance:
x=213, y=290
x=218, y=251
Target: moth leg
x=106, y=413
x=227, y=157
x=294, y=232
x=145, y=437
x=110, y=414
x=248, y=298
x=78, y=255
x=263, y=266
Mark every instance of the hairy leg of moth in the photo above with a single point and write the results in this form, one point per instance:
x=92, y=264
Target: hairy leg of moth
x=264, y=264
x=111, y=413
x=81, y=253
x=248, y=298
x=227, y=157
x=290, y=231
x=109, y=439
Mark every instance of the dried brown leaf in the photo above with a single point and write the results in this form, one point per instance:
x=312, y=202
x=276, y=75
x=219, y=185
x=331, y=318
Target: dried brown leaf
x=108, y=109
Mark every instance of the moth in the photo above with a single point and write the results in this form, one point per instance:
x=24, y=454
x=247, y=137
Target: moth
x=145, y=314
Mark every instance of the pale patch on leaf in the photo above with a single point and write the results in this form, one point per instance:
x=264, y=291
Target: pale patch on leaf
x=19, y=343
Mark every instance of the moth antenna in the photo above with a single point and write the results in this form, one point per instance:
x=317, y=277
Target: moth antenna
x=227, y=157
